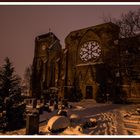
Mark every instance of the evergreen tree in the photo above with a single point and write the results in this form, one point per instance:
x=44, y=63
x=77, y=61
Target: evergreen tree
x=11, y=96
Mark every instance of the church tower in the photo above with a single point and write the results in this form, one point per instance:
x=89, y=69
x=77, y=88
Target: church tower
x=46, y=64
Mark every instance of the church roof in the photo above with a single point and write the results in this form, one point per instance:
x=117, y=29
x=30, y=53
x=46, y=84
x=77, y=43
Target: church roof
x=46, y=36
x=96, y=27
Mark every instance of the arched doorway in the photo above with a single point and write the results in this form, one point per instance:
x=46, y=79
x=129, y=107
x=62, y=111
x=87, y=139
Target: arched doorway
x=89, y=92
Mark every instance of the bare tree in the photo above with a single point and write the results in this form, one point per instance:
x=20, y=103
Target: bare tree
x=129, y=23
x=128, y=61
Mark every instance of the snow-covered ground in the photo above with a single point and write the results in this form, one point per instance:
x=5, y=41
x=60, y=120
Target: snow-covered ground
x=112, y=119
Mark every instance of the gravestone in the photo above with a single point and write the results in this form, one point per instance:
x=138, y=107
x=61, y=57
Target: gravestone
x=55, y=106
x=32, y=124
x=65, y=102
x=34, y=102
x=51, y=102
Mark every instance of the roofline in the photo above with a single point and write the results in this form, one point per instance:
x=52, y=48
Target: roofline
x=44, y=36
x=93, y=27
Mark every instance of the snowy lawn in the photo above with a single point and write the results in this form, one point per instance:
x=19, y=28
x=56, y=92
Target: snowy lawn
x=112, y=119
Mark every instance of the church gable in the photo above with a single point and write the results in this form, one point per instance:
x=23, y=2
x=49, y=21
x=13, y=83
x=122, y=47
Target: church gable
x=88, y=36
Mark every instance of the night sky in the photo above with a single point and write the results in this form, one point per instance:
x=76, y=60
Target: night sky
x=19, y=25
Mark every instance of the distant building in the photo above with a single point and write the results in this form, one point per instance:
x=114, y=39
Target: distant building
x=94, y=61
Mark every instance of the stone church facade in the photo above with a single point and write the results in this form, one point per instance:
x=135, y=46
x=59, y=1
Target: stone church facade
x=94, y=63
x=46, y=64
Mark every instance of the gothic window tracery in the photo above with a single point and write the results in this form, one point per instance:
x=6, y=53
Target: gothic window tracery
x=90, y=50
